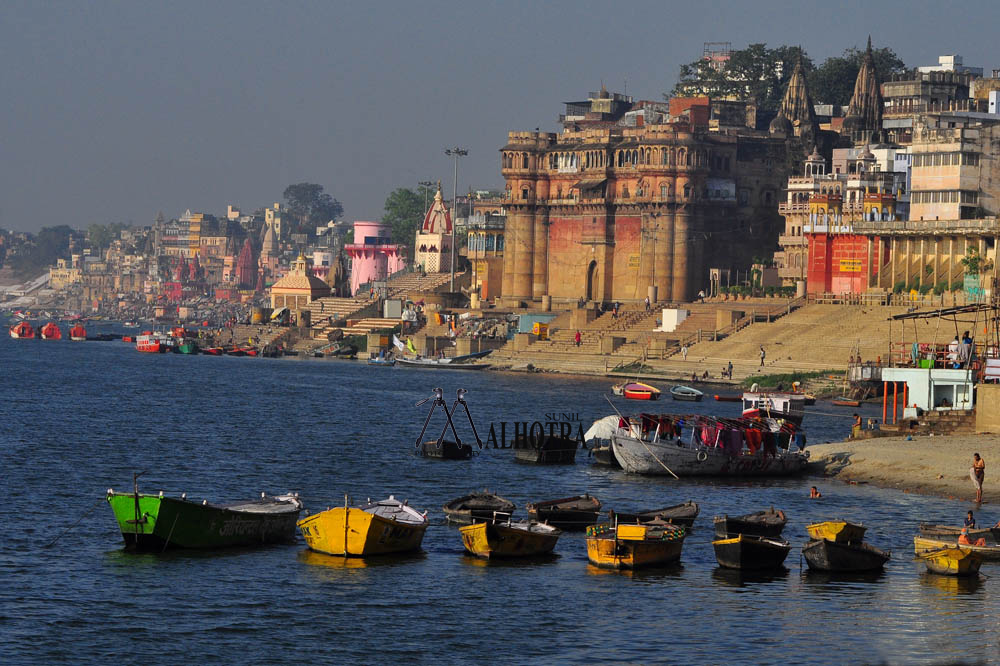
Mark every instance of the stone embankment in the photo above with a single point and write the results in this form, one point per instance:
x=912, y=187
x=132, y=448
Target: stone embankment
x=933, y=465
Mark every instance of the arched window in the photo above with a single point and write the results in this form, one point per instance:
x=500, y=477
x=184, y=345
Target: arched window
x=525, y=161
x=687, y=191
x=524, y=193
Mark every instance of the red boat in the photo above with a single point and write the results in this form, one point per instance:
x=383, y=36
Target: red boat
x=78, y=333
x=51, y=332
x=213, y=351
x=128, y=338
x=154, y=343
x=637, y=391
x=22, y=330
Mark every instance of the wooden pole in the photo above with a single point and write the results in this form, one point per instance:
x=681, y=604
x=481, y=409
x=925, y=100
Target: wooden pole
x=895, y=399
x=885, y=400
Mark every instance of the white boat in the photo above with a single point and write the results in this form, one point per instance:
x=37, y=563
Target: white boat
x=686, y=393
x=445, y=363
x=785, y=405
x=641, y=452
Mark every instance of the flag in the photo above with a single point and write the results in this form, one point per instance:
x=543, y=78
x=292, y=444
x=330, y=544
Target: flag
x=409, y=345
x=398, y=343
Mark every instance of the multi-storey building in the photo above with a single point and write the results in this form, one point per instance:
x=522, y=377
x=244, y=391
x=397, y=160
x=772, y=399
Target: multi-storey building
x=607, y=211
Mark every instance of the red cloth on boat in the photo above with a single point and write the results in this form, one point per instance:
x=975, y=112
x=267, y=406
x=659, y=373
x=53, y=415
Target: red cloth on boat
x=754, y=439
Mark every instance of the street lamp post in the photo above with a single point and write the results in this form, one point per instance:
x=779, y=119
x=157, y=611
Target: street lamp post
x=456, y=153
x=426, y=184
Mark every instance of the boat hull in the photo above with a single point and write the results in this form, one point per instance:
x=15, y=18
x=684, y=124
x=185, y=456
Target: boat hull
x=477, y=507
x=567, y=514
x=680, y=514
x=826, y=555
x=923, y=545
x=949, y=533
x=605, y=455
x=445, y=450
x=167, y=522
x=958, y=561
x=549, y=450
x=608, y=550
x=751, y=552
x=639, y=457
x=497, y=540
x=357, y=533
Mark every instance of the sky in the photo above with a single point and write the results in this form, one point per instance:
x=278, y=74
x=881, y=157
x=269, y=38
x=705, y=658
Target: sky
x=113, y=111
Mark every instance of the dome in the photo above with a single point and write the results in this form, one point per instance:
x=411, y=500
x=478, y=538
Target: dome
x=780, y=124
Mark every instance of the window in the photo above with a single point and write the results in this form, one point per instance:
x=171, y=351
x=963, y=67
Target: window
x=525, y=161
x=663, y=191
x=524, y=193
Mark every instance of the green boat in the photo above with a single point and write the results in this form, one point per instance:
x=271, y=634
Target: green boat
x=187, y=347
x=153, y=523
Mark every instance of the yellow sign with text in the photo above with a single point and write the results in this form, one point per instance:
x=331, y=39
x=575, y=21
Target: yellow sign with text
x=633, y=261
x=850, y=265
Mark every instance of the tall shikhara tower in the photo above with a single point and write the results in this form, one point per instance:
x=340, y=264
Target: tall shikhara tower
x=863, y=123
x=796, y=117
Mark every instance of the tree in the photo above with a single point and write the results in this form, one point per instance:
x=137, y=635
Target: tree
x=50, y=243
x=100, y=235
x=310, y=206
x=756, y=73
x=833, y=81
x=404, y=212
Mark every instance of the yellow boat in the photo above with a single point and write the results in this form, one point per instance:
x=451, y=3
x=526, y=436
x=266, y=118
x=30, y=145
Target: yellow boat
x=634, y=546
x=957, y=561
x=377, y=528
x=506, y=539
x=840, y=531
x=922, y=544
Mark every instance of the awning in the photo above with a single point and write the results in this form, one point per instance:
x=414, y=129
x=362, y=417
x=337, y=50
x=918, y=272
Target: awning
x=945, y=312
x=589, y=184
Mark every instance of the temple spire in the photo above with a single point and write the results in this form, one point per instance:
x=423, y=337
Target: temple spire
x=864, y=114
x=796, y=115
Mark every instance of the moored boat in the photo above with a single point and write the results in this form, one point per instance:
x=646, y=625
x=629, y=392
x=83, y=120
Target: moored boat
x=634, y=546
x=840, y=531
x=845, y=402
x=598, y=440
x=213, y=351
x=640, y=391
x=782, y=405
x=187, y=347
x=78, y=333
x=686, y=393
x=446, y=449
x=748, y=551
x=50, y=332
x=949, y=533
x=728, y=398
x=827, y=555
x=769, y=523
x=22, y=331
x=154, y=343
x=156, y=522
x=923, y=544
x=545, y=450
x=477, y=506
x=568, y=513
x=952, y=561
x=506, y=539
x=678, y=514
x=375, y=528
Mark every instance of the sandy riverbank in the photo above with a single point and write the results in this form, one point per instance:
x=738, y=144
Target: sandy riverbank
x=930, y=465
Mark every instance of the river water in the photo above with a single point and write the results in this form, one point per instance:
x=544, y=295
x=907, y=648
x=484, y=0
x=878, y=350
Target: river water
x=79, y=418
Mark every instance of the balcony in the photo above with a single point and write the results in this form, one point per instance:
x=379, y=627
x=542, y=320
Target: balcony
x=792, y=241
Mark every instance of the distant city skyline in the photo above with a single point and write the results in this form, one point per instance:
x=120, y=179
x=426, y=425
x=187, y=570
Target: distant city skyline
x=115, y=111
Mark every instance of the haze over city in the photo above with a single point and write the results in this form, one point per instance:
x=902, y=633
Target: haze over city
x=114, y=111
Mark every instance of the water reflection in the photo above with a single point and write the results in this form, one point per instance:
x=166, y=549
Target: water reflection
x=313, y=558
x=666, y=573
x=952, y=585
x=842, y=580
x=743, y=578
x=509, y=562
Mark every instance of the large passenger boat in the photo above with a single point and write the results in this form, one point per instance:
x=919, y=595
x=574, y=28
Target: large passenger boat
x=155, y=343
x=787, y=406
x=50, y=332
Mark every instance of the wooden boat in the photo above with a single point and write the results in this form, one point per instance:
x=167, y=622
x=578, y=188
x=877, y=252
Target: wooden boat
x=686, y=393
x=503, y=539
x=187, y=347
x=678, y=514
x=128, y=338
x=827, y=555
x=640, y=391
x=346, y=351
x=235, y=351
x=923, y=544
x=845, y=402
x=22, y=331
x=639, y=456
x=213, y=351
x=376, y=528
x=952, y=561
x=809, y=399
x=840, y=531
x=769, y=523
x=604, y=455
x=50, y=332
x=477, y=507
x=728, y=398
x=78, y=333
x=568, y=513
x=383, y=360
x=949, y=533
x=784, y=405
x=445, y=449
x=547, y=450
x=440, y=363
x=748, y=551
x=634, y=546
x=597, y=439
x=153, y=523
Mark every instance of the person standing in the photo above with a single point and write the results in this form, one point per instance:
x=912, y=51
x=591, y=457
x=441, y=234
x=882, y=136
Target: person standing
x=729, y=370
x=978, y=473
x=762, y=355
x=684, y=352
x=647, y=303
x=856, y=426
x=577, y=338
